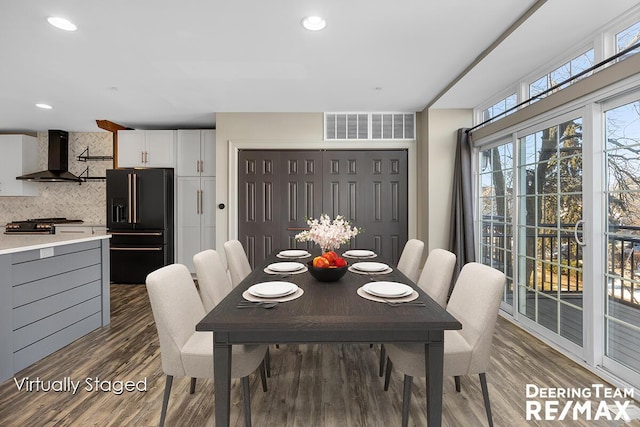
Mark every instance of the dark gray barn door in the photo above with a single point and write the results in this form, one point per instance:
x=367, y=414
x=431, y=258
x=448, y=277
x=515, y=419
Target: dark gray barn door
x=279, y=189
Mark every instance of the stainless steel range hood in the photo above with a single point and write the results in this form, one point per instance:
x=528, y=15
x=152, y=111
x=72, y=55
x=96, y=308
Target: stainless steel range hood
x=58, y=161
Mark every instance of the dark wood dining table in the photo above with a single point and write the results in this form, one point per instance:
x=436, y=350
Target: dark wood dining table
x=327, y=312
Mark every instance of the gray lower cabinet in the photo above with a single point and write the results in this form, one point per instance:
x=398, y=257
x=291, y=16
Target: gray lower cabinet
x=50, y=299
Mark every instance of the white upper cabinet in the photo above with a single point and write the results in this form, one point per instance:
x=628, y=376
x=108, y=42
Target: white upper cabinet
x=147, y=148
x=196, y=152
x=19, y=157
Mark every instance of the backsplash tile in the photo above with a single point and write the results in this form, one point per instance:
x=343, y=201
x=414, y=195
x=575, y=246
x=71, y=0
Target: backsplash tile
x=61, y=199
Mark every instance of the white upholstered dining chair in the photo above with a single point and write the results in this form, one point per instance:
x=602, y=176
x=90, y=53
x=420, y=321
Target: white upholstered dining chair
x=214, y=285
x=437, y=273
x=177, y=309
x=435, y=281
x=237, y=261
x=410, y=258
x=213, y=281
x=475, y=302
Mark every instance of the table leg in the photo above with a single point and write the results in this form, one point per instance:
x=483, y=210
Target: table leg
x=222, y=382
x=434, y=357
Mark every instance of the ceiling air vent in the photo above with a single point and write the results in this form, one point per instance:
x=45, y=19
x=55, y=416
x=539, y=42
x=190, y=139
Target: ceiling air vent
x=355, y=126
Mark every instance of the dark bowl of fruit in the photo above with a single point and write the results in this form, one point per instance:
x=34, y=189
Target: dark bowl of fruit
x=328, y=267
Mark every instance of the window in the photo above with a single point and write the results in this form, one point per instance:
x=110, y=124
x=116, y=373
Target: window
x=627, y=38
x=564, y=72
x=495, y=195
x=499, y=108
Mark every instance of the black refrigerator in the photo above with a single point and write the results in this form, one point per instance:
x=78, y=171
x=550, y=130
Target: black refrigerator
x=141, y=222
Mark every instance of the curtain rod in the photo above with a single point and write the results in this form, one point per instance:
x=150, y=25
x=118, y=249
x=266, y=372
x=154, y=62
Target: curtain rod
x=577, y=76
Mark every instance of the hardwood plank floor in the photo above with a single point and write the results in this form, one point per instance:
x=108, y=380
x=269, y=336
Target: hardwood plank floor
x=311, y=385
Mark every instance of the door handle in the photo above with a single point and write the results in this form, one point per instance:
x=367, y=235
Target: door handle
x=137, y=249
x=201, y=202
x=575, y=233
x=142, y=233
x=129, y=202
x=134, y=197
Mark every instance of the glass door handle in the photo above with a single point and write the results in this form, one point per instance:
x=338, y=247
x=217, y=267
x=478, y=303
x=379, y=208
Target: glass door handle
x=579, y=223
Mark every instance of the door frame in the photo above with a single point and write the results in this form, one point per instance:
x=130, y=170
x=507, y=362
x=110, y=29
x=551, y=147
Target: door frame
x=412, y=176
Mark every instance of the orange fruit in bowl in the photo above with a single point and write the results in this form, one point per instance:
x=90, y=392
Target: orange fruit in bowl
x=321, y=262
x=331, y=256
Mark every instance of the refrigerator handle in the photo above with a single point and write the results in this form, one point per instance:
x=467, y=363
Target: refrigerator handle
x=129, y=204
x=134, y=197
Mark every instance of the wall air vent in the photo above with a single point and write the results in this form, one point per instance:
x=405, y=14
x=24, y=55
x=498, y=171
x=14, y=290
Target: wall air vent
x=363, y=126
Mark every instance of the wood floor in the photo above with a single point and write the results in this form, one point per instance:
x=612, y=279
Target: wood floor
x=311, y=385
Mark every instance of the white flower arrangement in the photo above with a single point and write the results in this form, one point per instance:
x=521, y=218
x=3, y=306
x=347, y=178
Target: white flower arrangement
x=327, y=233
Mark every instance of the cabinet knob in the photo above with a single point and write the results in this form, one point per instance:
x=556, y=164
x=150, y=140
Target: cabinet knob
x=221, y=206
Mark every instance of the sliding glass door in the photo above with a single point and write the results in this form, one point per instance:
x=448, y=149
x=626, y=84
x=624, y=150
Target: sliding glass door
x=622, y=237
x=550, y=211
x=541, y=194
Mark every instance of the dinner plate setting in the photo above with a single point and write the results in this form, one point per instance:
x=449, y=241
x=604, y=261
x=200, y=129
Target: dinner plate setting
x=293, y=254
x=368, y=267
x=285, y=268
x=273, y=291
x=359, y=254
x=382, y=291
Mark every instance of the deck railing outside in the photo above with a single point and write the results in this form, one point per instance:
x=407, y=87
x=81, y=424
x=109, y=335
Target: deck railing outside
x=560, y=258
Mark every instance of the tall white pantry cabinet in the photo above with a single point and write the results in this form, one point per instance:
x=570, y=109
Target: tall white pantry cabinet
x=195, y=193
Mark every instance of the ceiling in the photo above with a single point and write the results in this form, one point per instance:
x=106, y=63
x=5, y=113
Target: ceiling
x=152, y=64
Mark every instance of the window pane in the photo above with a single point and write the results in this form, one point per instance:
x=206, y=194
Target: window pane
x=538, y=86
x=627, y=38
x=581, y=63
x=560, y=74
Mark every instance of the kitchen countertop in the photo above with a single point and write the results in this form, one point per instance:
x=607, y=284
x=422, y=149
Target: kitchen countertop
x=25, y=242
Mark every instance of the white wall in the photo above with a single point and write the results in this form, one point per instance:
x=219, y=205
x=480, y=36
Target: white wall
x=438, y=149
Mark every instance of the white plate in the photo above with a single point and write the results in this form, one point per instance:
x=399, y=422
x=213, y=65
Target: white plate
x=370, y=266
x=285, y=267
x=293, y=253
x=272, y=289
x=358, y=253
x=388, y=289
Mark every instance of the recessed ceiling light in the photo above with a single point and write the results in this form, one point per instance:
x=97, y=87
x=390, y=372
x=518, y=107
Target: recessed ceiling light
x=44, y=106
x=62, y=23
x=314, y=23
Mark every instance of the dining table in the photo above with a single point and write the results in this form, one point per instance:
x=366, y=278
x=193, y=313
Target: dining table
x=327, y=312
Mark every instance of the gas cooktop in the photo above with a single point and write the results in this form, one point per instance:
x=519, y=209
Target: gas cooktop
x=37, y=225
